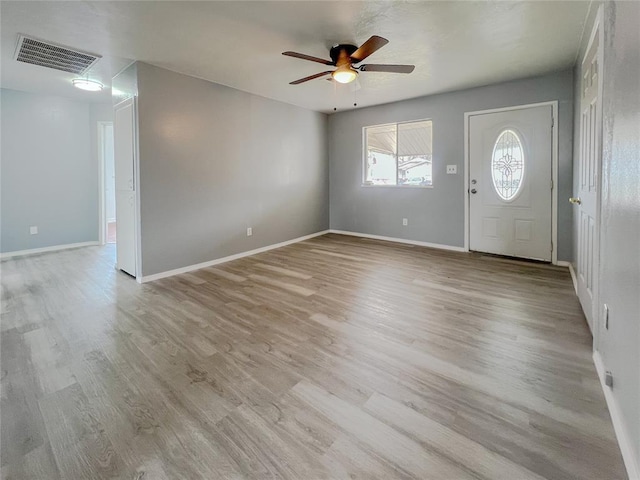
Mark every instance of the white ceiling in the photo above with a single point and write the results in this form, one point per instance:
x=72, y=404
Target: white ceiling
x=454, y=45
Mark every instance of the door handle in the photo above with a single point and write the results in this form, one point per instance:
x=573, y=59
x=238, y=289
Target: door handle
x=473, y=190
x=575, y=200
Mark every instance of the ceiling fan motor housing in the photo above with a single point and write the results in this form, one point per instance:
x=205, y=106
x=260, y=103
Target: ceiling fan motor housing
x=336, y=50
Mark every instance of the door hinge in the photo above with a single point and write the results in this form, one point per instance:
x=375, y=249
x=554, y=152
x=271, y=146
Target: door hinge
x=552, y=246
x=551, y=184
x=552, y=121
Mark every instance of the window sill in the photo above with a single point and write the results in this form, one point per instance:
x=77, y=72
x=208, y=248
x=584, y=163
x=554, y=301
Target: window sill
x=396, y=186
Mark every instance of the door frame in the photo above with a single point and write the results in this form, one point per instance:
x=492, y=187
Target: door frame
x=554, y=170
x=102, y=206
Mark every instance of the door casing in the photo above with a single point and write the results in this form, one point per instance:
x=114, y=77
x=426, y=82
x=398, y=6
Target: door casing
x=102, y=233
x=554, y=170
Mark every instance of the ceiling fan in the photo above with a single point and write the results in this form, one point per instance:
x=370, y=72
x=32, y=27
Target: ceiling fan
x=344, y=56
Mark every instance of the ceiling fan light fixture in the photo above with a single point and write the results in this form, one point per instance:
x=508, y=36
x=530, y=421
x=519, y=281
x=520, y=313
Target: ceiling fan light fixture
x=344, y=74
x=86, y=84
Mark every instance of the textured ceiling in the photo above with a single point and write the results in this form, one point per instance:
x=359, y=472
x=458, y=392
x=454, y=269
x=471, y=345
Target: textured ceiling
x=454, y=45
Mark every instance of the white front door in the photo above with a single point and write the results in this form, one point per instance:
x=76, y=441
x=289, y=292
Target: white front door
x=589, y=167
x=510, y=164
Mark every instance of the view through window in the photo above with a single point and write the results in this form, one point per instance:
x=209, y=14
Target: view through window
x=399, y=154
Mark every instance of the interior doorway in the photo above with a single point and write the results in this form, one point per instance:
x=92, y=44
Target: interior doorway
x=108, y=187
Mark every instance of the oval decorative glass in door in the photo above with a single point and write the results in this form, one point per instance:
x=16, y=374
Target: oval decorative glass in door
x=507, y=165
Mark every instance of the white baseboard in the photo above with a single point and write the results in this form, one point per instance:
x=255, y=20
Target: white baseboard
x=624, y=441
x=400, y=240
x=569, y=265
x=198, y=266
x=53, y=248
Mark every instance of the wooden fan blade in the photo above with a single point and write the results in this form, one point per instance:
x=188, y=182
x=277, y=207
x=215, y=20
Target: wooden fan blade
x=368, y=47
x=311, y=77
x=308, y=57
x=372, y=67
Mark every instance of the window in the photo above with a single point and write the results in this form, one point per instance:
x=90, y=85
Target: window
x=399, y=154
x=507, y=165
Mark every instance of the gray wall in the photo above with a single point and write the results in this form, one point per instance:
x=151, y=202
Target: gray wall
x=49, y=171
x=214, y=161
x=620, y=211
x=436, y=215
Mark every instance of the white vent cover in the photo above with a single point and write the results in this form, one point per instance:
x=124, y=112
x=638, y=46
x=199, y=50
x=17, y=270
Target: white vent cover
x=38, y=52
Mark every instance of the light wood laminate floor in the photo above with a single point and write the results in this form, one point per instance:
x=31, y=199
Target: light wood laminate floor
x=334, y=358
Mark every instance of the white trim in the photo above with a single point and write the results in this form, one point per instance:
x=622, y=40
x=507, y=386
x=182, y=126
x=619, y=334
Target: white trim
x=569, y=265
x=136, y=186
x=467, y=116
x=584, y=28
x=198, y=266
x=102, y=206
x=555, y=146
x=554, y=169
x=596, y=26
x=54, y=248
x=102, y=234
x=624, y=440
x=400, y=240
x=597, y=311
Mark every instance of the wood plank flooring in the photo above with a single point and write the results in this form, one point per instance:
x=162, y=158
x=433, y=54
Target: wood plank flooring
x=334, y=358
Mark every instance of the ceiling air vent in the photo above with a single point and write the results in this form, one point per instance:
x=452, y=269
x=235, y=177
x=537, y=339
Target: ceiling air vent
x=38, y=52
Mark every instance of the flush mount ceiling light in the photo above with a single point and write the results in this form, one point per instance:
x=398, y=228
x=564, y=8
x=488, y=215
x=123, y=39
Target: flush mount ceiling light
x=344, y=74
x=86, y=84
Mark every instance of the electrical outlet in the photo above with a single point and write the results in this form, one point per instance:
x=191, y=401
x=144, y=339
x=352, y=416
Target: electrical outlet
x=452, y=169
x=606, y=316
x=608, y=379
x=405, y=222
x=249, y=231
x=33, y=230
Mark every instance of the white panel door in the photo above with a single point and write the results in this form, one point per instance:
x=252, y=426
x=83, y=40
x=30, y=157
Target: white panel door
x=510, y=164
x=126, y=238
x=125, y=154
x=589, y=167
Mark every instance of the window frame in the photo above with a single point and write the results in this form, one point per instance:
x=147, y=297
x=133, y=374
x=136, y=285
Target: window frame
x=364, y=156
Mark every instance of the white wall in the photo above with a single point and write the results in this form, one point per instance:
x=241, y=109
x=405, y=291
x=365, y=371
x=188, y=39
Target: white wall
x=49, y=171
